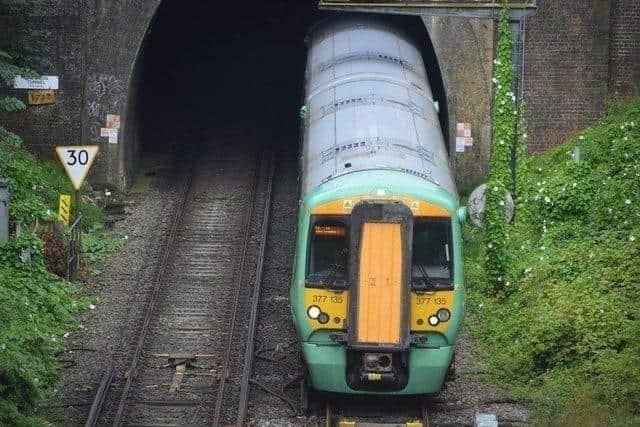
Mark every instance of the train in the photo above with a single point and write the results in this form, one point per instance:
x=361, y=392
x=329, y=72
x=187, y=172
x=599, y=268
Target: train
x=377, y=292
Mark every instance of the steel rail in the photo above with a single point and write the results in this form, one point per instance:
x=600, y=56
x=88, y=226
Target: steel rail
x=101, y=395
x=424, y=412
x=238, y=286
x=255, y=300
x=159, y=282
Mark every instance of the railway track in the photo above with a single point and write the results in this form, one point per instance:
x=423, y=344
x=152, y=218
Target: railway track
x=415, y=413
x=193, y=356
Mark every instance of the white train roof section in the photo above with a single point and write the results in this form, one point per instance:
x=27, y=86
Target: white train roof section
x=369, y=106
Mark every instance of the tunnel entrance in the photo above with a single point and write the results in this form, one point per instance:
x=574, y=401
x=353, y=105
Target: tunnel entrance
x=207, y=69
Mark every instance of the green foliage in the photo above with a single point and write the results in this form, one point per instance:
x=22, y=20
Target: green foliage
x=504, y=135
x=36, y=309
x=97, y=244
x=566, y=333
x=35, y=187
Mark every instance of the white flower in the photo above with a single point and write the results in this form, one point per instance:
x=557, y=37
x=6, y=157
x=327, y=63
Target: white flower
x=527, y=270
x=574, y=185
x=495, y=188
x=497, y=61
x=547, y=199
x=581, y=137
x=126, y=237
x=494, y=80
x=524, y=135
x=501, y=203
x=542, y=248
x=632, y=238
x=490, y=245
x=480, y=305
x=628, y=202
x=92, y=307
x=66, y=335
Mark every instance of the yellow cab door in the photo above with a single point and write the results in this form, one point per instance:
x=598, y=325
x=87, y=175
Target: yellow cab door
x=379, y=311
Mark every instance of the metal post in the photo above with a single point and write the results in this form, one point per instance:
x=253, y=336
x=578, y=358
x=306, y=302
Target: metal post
x=5, y=198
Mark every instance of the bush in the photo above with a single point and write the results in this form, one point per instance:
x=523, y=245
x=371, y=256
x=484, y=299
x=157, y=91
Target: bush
x=36, y=311
x=567, y=333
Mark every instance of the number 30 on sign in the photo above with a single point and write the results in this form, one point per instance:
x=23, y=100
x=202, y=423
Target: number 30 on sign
x=77, y=161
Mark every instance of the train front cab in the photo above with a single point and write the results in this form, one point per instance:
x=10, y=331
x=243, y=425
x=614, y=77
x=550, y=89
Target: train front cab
x=378, y=292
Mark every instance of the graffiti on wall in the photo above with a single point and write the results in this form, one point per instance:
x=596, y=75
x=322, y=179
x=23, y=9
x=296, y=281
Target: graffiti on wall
x=105, y=94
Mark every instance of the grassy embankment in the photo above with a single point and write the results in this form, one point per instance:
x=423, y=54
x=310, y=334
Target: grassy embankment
x=37, y=307
x=566, y=337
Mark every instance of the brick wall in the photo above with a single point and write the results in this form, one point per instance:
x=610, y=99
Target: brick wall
x=566, y=68
x=578, y=51
x=624, y=49
x=43, y=127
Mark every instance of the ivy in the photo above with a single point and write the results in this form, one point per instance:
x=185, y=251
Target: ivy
x=505, y=119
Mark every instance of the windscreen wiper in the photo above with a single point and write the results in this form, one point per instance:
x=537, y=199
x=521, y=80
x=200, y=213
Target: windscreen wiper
x=426, y=283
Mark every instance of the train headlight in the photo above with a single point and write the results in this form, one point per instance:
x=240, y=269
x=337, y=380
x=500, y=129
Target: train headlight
x=314, y=312
x=443, y=315
x=433, y=320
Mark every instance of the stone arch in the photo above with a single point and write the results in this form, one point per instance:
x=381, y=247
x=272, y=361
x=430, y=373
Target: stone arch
x=112, y=50
x=111, y=42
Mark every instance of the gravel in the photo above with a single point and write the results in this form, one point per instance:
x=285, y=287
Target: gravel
x=120, y=293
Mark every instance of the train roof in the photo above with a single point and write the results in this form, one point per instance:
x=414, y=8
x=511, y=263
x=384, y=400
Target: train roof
x=369, y=106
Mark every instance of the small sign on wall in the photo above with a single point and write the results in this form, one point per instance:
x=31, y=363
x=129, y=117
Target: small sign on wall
x=110, y=133
x=42, y=82
x=113, y=121
x=463, y=137
x=41, y=97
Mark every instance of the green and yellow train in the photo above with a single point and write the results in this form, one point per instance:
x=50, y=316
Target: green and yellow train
x=378, y=287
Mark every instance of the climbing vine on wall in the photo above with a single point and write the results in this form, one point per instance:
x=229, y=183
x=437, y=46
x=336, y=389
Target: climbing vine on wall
x=505, y=118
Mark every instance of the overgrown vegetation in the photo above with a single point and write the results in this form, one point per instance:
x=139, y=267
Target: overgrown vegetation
x=499, y=181
x=566, y=336
x=37, y=307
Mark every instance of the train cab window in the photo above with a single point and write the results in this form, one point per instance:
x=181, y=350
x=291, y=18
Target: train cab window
x=328, y=254
x=431, y=255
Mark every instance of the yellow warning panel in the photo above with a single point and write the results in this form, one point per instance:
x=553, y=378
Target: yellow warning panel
x=427, y=304
x=380, y=284
x=64, y=209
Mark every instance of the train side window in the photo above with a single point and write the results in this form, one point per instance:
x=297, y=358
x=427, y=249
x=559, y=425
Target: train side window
x=328, y=254
x=431, y=256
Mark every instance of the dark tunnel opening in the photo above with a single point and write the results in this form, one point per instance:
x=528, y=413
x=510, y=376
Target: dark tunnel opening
x=223, y=68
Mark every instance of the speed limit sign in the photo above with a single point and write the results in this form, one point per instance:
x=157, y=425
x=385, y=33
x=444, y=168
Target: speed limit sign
x=77, y=161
